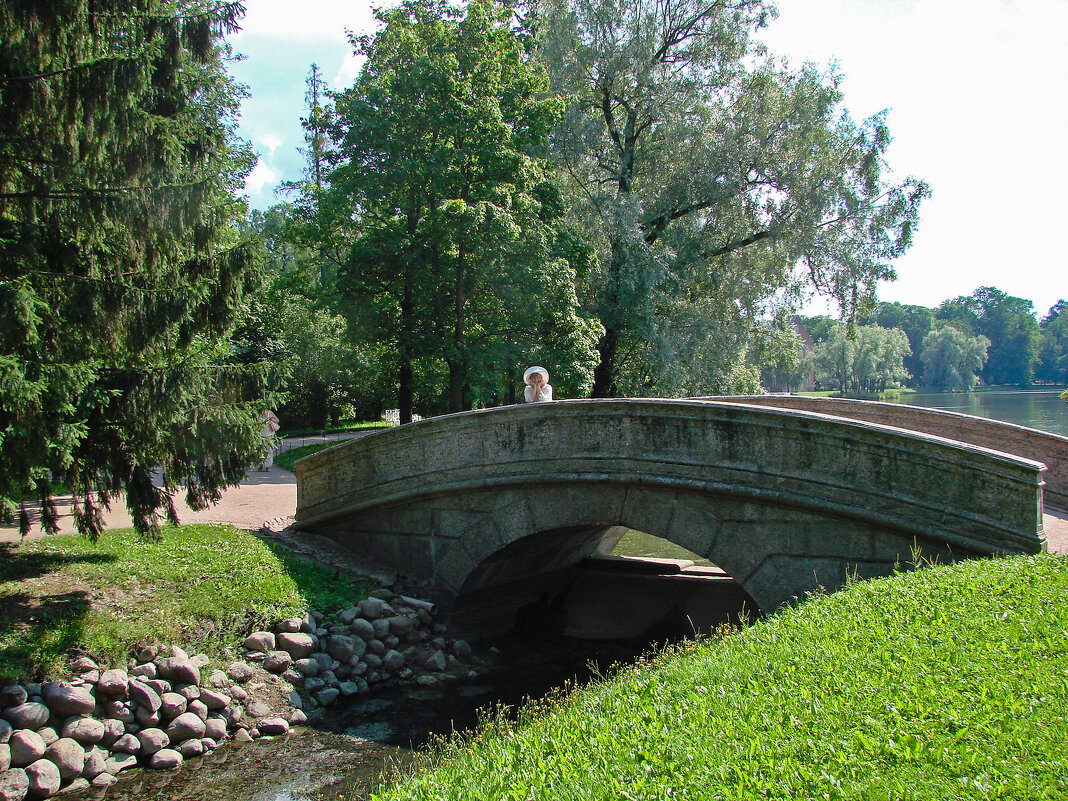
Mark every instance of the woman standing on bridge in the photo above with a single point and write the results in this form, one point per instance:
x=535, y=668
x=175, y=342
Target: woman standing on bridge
x=537, y=389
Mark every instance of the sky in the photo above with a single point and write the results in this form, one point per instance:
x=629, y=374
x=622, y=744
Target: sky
x=974, y=91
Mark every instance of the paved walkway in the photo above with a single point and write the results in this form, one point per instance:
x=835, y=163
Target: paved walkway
x=269, y=496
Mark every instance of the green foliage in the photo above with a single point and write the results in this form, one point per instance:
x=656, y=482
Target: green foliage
x=462, y=265
x=952, y=359
x=915, y=321
x=941, y=683
x=1053, y=350
x=1008, y=322
x=205, y=586
x=706, y=173
x=868, y=358
x=120, y=272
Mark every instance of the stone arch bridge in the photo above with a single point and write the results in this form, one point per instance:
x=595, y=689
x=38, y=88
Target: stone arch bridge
x=485, y=508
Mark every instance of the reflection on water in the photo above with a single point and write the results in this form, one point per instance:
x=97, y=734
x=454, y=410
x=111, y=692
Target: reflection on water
x=1041, y=409
x=638, y=543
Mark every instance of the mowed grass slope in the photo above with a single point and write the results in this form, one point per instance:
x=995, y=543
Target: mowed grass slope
x=943, y=683
x=204, y=586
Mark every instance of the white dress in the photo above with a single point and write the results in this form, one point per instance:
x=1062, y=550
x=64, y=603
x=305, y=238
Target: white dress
x=544, y=394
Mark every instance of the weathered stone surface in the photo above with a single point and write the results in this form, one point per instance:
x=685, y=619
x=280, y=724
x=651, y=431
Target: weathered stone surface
x=83, y=664
x=147, y=719
x=239, y=671
x=14, y=785
x=277, y=662
x=215, y=728
x=362, y=628
x=30, y=715
x=144, y=696
x=5, y=731
x=184, y=727
x=327, y=696
x=190, y=692
x=340, y=647
x=94, y=765
x=86, y=731
x=127, y=744
x=148, y=670
x=119, y=762
x=260, y=641
x=113, y=682
x=44, y=779
x=213, y=699
x=26, y=746
x=273, y=726
x=103, y=781
x=238, y=693
x=308, y=667
x=180, y=668
x=148, y=653
x=152, y=740
x=392, y=661
x=296, y=644
x=13, y=695
x=242, y=736
x=5, y=757
x=172, y=705
x=288, y=626
x=374, y=608
x=257, y=709
x=120, y=710
x=165, y=759
x=68, y=755
x=113, y=730
x=191, y=748
x=198, y=708
x=48, y=734
x=233, y=714
x=161, y=686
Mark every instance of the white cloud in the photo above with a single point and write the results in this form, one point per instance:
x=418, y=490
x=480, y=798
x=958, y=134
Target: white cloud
x=270, y=142
x=310, y=19
x=350, y=68
x=260, y=177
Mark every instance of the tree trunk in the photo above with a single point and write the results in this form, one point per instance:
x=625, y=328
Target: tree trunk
x=406, y=376
x=604, y=374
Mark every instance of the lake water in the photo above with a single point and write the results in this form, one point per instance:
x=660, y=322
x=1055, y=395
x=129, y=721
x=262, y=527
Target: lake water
x=1040, y=408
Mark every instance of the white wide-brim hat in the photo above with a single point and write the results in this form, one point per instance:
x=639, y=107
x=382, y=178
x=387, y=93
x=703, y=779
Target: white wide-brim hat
x=531, y=370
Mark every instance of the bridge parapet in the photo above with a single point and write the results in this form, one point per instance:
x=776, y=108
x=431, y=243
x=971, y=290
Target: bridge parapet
x=1032, y=443
x=783, y=500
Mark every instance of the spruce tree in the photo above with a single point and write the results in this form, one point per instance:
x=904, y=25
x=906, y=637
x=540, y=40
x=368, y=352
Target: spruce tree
x=120, y=272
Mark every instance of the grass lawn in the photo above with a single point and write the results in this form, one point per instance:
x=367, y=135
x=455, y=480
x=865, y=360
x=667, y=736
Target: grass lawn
x=943, y=683
x=285, y=459
x=204, y=586
x=340, y=428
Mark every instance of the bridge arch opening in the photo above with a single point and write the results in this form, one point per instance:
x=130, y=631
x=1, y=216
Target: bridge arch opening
x=573, y=581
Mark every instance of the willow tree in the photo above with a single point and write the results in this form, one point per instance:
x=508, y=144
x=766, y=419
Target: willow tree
x=716, y=180
x=461, y=260
x=119, y=269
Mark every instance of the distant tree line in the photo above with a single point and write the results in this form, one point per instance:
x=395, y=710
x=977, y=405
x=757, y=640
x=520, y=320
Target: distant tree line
x=989, y=337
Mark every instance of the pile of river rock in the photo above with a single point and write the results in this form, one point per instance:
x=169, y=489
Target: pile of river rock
x=162, y=708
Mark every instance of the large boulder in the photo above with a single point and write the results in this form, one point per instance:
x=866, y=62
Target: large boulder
x=173, y=705
x=95, y=758
x=239, y=671
x=68, y=755
x=13, y=695
x=273, y=726
x=184, y=727
x=340, y=647
x=30, y=715
x=5, y=731
x=152, y=740
x=113, y=682
x=260, y=641
x=277, y=661
x=297, y=644
x=180, y=669
x=165, y=759
x=85, y=730
x=213, y=699
x=14, y=784
x=64, y=700
x=26, y=747
x=145, y=696
x=44, y=778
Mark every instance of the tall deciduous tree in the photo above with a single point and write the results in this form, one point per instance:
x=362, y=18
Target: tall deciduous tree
x=708, y=174
x=866, y=359
x=1053, y=350
x=119, y=269
x=952, y=358
x=461, y=248
x=1008, y=322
